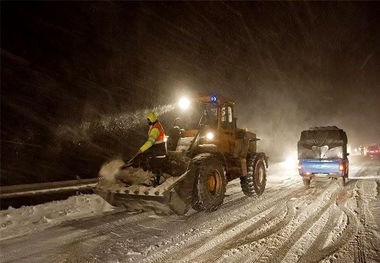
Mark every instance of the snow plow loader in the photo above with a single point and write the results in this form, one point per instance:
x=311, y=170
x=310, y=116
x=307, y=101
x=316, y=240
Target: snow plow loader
x=203, y=154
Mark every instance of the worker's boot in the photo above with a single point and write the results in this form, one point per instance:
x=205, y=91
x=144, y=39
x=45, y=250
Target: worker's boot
x=158, y=179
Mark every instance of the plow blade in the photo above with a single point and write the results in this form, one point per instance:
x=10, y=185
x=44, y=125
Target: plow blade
x=160, y=199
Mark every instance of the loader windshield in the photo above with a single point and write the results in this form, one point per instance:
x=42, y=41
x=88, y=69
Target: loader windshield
x=203, y=114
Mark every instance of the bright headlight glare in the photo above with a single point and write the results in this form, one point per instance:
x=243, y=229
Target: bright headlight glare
x=184, y=103
x=210, y=136
x=291, y=161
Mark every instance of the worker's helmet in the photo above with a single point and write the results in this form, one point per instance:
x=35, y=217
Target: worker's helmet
x=152, y=118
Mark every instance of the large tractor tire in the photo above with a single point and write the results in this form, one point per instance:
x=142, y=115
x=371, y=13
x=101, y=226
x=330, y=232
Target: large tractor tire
x=253, y=184
x=210, y=184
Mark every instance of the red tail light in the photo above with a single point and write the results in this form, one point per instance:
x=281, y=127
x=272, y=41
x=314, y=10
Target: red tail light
x=341, y=167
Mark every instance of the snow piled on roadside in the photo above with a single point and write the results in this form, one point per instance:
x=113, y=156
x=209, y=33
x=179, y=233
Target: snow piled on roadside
x=28, y=219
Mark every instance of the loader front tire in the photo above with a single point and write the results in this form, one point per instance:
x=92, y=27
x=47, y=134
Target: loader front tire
x=210, y=185
x=253, y=184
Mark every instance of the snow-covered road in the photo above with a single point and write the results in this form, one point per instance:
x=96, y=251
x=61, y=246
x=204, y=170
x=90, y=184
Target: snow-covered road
x=288, y=223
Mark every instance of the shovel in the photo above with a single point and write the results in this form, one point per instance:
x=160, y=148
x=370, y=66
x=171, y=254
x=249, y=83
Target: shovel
x=130, y=162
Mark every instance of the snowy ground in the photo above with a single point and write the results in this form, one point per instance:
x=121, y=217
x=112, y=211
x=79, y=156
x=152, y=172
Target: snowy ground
x=30, y=219
x=288, y=223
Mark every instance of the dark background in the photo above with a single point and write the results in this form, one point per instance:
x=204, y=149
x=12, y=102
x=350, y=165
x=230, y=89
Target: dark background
x=77, y=77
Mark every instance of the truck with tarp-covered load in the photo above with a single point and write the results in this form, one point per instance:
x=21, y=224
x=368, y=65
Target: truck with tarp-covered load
x=322, y=151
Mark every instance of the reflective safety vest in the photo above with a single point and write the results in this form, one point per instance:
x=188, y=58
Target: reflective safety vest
x=161, y=136
x=156, y=135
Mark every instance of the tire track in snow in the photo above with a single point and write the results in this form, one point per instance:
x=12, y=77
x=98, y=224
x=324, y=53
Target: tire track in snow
x=316, y=252
x=228, y=207
x=212, y=245
x=279, y=254
x=318, y=243
x=101, y=237
x=359, y=254
x=175, y=252
x=246, y=237
x=256, y=251
x=366, y=191
x=297, y=193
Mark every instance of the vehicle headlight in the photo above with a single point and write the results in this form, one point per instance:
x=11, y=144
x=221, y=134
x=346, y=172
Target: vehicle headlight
x=184, y=103
x=291, y=161
x=210, y=136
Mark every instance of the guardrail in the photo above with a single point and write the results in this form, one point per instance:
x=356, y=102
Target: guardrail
x=25, y=190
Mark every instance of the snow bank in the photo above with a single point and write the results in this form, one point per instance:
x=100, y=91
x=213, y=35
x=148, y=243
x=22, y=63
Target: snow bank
x=28, y=219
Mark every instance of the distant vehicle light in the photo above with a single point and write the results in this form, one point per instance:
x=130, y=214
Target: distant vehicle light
x=299, y=166
x=210, y=136
x=214, y=98
x=184, y=103
x=291, y=161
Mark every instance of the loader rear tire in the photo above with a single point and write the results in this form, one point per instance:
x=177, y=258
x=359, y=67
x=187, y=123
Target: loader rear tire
x=210, y=185
x=253, y=184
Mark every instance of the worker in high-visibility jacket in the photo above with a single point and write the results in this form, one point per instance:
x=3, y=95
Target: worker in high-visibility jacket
x=156, y=135
x=154, y=149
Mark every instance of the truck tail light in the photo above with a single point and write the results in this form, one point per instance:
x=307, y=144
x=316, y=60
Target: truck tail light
x=341, y=167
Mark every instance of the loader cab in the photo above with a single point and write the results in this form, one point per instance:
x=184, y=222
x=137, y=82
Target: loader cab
x=212, y=117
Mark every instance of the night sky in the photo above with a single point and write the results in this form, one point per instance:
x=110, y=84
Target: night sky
x=76, y=77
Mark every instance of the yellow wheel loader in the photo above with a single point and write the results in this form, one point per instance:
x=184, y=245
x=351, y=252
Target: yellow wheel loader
x=208, y=152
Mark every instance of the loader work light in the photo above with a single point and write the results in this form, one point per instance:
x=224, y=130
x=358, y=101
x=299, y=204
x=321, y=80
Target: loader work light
x=210, y=136
x=184, y=103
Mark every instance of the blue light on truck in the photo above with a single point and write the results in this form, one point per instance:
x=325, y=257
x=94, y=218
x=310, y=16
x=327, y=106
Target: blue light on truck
x=214, y=98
